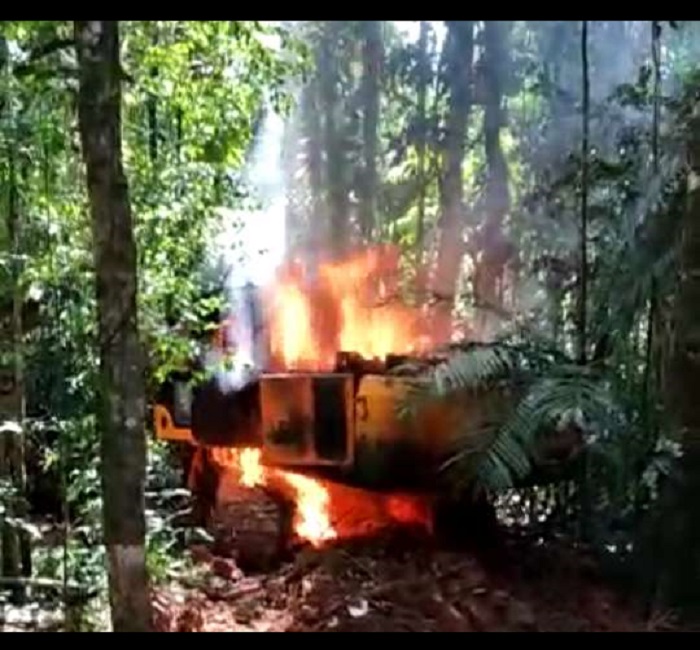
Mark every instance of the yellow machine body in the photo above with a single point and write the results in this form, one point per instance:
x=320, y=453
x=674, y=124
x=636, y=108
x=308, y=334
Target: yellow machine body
x=379, y=421
x=337, y=423
x=372, y=415
x=166, y=429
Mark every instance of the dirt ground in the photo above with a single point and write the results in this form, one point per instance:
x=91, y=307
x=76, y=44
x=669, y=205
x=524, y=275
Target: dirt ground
x=400, y=581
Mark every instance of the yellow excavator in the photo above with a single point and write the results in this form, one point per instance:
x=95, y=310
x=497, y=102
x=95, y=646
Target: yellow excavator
x=344, y=425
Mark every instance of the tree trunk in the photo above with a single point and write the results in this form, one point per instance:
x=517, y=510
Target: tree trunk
x=582, y=297
x=15, y=545
x=460, y=49
x=423, y=82
x=495, y=250
x=552, y=38
x=679, y=585
x=152, y=108
x=335, y=156
x=122, y=390
x=315, y=230
x=371, y=78
x=18, y=366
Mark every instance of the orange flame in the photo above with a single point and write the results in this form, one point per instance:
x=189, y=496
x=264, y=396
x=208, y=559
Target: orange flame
x=311, y=518
x=324, y=510
x=252, y=471
x=349, y=305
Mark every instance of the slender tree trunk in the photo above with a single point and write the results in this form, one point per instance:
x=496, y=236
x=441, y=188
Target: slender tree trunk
x=16, y=223
x=371, y=85
x=152, y=108
x=315, y=229
x=495, y=250
x=335, y=156
x=423, y=81
x=584, y=482
x=650, y=377
x=581, y=325
x=460, y=44
x=122, y=390
x=15, y=548
x=291, y=152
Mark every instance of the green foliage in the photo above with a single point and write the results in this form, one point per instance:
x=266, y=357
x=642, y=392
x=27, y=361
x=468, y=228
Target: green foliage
x=205, y=82
x=496, y=451
x=532, y=397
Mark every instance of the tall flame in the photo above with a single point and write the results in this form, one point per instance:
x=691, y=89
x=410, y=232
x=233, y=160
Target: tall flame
x=351, y=305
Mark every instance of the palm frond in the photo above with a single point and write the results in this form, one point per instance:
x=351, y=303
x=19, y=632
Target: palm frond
x=473, y=368
x=500, y=448
x=482, y=365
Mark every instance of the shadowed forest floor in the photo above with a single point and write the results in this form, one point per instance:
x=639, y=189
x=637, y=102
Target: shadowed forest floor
x=400, y=582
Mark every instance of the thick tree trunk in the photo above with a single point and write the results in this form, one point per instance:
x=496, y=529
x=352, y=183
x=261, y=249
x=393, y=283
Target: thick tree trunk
x=460, y=44
x=122, y=390
x=553, y=39
x=680, y=572
x=15, y=545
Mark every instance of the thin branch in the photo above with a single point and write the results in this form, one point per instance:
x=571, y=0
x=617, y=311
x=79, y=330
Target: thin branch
x=33, y=63
x=44, y=50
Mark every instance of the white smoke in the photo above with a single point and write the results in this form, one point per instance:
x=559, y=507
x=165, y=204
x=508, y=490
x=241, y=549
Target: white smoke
x=249, y=249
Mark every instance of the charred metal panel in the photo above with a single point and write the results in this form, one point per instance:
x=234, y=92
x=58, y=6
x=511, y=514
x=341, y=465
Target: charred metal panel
x=330, y=418
x=226, y=418
x=307, y=419
x=395, y=465
x=286, y=403
x=395, y=450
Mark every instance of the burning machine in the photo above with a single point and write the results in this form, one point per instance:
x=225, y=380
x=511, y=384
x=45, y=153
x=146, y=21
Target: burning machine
x=344, y=424
x=310, y=407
